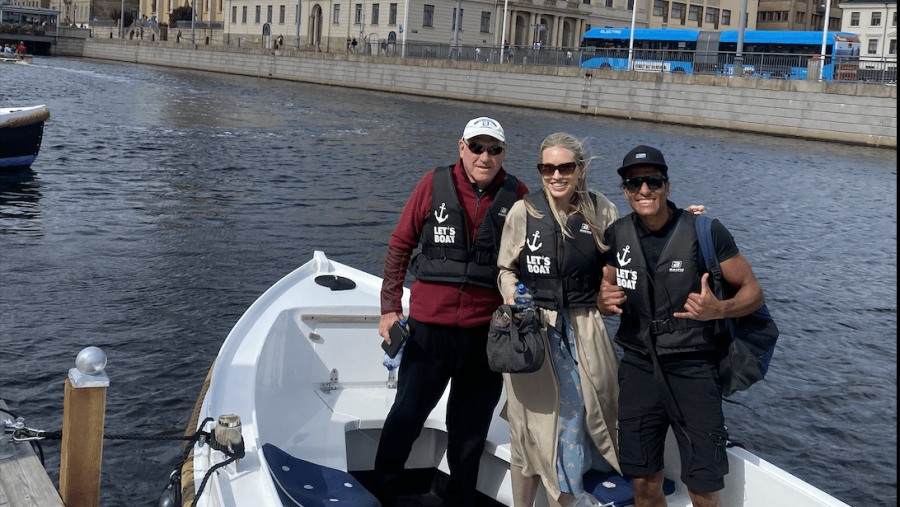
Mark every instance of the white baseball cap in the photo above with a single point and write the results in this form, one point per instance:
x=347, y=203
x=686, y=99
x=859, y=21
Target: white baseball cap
x=484, y=126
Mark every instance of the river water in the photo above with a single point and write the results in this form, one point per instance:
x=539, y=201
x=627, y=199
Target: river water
x=164, y=201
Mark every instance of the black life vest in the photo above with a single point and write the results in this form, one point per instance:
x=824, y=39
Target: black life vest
x=447, y=253
x=653, y=296
x=565, y=275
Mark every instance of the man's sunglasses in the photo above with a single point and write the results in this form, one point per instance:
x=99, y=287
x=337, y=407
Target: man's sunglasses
x=478, y=149
x=564, y=169
x=653, y=182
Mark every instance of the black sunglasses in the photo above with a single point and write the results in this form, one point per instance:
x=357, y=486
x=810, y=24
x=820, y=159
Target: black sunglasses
x=479, y=149
x=564, y=169
x=653, y=182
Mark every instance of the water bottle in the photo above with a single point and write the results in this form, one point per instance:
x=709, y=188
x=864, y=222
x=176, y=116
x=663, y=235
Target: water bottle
x=586, y=499
x=523, y=298
x=392, y=363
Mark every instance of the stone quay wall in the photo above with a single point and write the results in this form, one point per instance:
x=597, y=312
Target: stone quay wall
x=861, y=114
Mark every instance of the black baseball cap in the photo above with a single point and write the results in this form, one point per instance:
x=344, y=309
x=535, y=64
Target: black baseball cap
x=641, y=156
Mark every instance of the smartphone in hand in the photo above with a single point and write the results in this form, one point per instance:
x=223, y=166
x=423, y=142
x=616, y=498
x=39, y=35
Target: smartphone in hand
x=399, y=334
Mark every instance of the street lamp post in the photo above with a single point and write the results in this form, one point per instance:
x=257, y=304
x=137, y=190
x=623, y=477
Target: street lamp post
x=297, y=38
x=631, y=36
x=193, y=17
x=738, y=67
x=824, y=39
x=503, y=47
x=122, y=21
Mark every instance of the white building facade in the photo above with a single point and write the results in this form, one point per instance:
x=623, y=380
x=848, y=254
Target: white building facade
x=876, y=24
x=328, y=25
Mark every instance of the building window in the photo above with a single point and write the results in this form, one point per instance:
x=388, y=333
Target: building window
x=801, y=17
x=336, y=16
x=244, y=14
x=695, y=14
x=281, y=14
x=258, y=13
x=893, y=48
x=873, y=46
x=894, y=21
x=358, y=15
x=609, y=3
x=712, y=16
x=586, y=2
x=392, y=14
x=269, y=14
x=374, y=20
x=659, y=8
x=485, y=21
x=854, y=19
x=234, y=14
x=876, y=19
x=428, y=16
x=678, y=12
x=453, y=23
x=726, y=17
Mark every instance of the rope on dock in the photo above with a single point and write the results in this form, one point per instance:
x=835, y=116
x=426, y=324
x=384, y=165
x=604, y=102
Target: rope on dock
x=37, y=116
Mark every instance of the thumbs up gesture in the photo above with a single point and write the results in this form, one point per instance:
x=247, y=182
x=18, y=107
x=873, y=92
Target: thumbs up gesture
x=703, y=306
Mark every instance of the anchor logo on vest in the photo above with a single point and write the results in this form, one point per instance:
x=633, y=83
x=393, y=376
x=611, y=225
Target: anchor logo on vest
x=443, y=216
x=623, y=258
x=533, y=244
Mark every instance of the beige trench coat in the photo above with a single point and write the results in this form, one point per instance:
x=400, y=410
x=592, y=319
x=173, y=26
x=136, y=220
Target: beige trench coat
x=533, y=398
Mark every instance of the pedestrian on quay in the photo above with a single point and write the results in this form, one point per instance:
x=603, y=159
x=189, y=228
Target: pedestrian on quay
x=658, y=285
x=562, y=418
x=456, y=215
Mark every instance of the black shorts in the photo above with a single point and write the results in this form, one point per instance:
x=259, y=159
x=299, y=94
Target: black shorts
x=644, y=422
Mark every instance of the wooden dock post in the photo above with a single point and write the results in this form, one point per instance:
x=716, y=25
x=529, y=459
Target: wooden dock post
x=84, y=408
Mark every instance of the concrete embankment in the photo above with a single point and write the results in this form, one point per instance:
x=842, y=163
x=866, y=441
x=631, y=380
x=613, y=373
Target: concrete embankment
x=863, y=114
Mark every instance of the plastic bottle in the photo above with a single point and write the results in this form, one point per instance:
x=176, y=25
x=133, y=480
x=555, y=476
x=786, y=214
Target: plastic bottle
x=523, y=298
x=394, y=363
x=586, y=499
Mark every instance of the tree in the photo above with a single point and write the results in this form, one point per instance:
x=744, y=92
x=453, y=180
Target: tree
x=183, y=13
x=117, y=16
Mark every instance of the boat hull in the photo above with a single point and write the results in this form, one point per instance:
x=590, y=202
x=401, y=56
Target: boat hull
x=21, y=134
x=302, y=368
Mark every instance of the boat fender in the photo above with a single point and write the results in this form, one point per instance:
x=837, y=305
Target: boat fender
x=171, y=496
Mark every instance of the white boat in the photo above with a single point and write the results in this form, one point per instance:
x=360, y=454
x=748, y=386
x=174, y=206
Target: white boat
x=302, y=372
x=21, y=133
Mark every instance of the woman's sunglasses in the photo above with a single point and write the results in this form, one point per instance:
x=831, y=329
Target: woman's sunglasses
x=479, y=149
x=564, y=169
x=653, y=182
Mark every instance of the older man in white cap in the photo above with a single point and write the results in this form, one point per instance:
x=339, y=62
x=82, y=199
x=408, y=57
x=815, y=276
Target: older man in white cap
x=456, y=214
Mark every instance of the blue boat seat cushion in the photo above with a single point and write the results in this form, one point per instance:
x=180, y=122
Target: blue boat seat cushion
x=614, y=490
x=307, y=484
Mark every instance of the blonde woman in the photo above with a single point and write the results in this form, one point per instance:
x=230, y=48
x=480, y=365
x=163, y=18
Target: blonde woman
x=562, y=418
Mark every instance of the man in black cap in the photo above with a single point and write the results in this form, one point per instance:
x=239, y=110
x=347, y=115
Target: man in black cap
x=656, y=280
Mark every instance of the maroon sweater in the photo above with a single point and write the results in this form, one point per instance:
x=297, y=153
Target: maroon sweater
x=445, y=304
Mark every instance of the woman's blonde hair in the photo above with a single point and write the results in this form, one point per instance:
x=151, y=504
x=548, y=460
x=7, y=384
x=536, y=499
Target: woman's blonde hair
x=581, y=201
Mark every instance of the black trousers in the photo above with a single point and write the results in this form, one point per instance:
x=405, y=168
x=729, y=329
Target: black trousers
x=433, y=356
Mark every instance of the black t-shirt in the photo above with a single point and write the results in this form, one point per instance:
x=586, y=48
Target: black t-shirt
x=653, y=242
